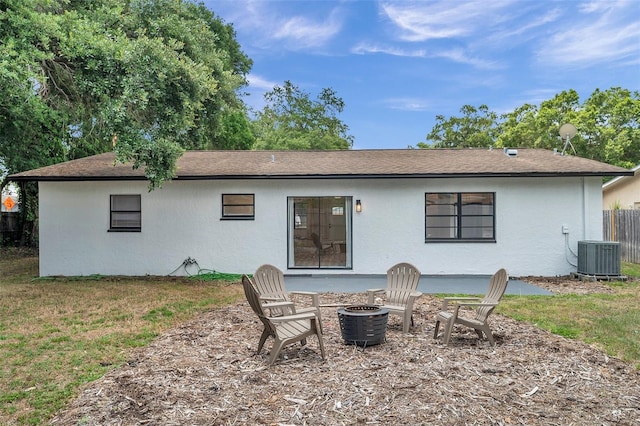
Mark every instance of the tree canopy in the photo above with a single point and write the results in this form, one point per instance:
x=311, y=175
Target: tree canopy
x=475, y=128
x=292, y=120
x=607, y=123
x=146, y=78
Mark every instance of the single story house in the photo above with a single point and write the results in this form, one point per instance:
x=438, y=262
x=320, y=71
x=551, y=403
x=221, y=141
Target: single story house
x=622, y=192
x=449, y=212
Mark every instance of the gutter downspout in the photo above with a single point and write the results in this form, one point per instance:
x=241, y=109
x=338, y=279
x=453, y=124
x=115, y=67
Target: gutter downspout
x=584, y=209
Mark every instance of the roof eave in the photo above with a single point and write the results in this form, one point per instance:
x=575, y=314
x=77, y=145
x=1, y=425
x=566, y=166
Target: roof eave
x=401, y=176
x=72, y=178
x=320, y=176
x=620, y=178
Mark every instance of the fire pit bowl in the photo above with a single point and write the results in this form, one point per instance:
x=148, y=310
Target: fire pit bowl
x=363, y=325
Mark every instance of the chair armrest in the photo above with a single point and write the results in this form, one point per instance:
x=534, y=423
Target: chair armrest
x=465, y=304
x=275, y=305
x=413, y=296
x=476, y=304
x=461, y=298
x=304, y=293
x=296, y=317
x=468, y=305
x=371, y=292
x=446, y=300
x=313, y=294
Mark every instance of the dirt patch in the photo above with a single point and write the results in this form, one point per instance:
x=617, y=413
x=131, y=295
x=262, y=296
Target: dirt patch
x=567, y=284
x=206, y=372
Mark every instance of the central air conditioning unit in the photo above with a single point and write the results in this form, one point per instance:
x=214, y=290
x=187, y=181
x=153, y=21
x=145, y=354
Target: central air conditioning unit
x=599, y=258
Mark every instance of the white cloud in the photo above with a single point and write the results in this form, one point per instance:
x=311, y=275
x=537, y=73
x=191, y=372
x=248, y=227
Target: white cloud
x=595, y=6
x=365, y=48
x=300, y=32
x=614, y=35
x=407, y=104
x=575, y=34
x=421, y=21
x=460, y=56
x=523, y=30
x=260, y=83
x=284, y=24
x=464, y=32
x=256, y=89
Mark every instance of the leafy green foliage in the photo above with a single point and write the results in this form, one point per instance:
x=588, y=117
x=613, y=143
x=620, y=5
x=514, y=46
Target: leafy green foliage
x=609, y=127
x=292, y=120
x=476, y=128
x=148, y=78
x=607, y=122
x=235, y=132
x=538, y=127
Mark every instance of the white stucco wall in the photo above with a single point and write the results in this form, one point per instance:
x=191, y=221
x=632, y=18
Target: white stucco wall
x=183, y=220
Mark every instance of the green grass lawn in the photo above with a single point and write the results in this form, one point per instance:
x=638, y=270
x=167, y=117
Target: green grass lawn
x=58, y=334
x=608, y=321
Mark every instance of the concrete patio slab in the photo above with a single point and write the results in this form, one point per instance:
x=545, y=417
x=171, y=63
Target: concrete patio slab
x=432, y=284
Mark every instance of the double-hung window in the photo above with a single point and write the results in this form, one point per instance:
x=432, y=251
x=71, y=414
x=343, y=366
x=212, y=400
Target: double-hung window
x=125, y=213
x=238, y=206
x=460, y=216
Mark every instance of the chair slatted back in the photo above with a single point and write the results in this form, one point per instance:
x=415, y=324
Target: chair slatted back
x=254, y=301
x=497, y=287
x=402, y=280
x=269, y=281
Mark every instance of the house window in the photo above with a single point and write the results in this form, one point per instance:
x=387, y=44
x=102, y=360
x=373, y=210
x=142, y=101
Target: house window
x=126, y=213
x=467, y=216
x=238, y=206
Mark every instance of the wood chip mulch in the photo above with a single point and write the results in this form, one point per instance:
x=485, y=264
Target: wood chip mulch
x=206, y=372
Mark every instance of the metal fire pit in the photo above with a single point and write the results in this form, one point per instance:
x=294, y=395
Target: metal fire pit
x=363, y=325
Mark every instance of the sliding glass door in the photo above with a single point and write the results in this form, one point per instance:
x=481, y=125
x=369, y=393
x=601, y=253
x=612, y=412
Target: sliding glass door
x=319, y=232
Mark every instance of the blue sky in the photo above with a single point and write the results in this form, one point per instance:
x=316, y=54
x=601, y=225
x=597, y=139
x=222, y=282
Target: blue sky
x=398, y=64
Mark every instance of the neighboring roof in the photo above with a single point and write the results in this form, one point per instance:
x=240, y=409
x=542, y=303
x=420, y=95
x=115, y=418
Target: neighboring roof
x=620, y=179
x=201, y=165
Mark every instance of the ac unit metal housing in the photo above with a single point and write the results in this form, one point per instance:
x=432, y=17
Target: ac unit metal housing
x=599, y=258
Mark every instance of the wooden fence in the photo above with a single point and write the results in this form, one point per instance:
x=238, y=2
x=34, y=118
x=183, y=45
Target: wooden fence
x=623, y=226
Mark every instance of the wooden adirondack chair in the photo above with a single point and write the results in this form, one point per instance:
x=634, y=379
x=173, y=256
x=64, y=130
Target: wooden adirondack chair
x=269, y=282
x=483, y=308
x=401, y=292
x=285, y=329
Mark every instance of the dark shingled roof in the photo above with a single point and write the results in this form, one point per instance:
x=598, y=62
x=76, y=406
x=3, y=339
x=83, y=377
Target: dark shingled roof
x=338, y=164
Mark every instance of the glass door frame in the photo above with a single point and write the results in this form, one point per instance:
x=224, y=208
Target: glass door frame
x=298, y=222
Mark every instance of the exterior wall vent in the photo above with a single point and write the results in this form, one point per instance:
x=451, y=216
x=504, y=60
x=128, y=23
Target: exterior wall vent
x=599, y=258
